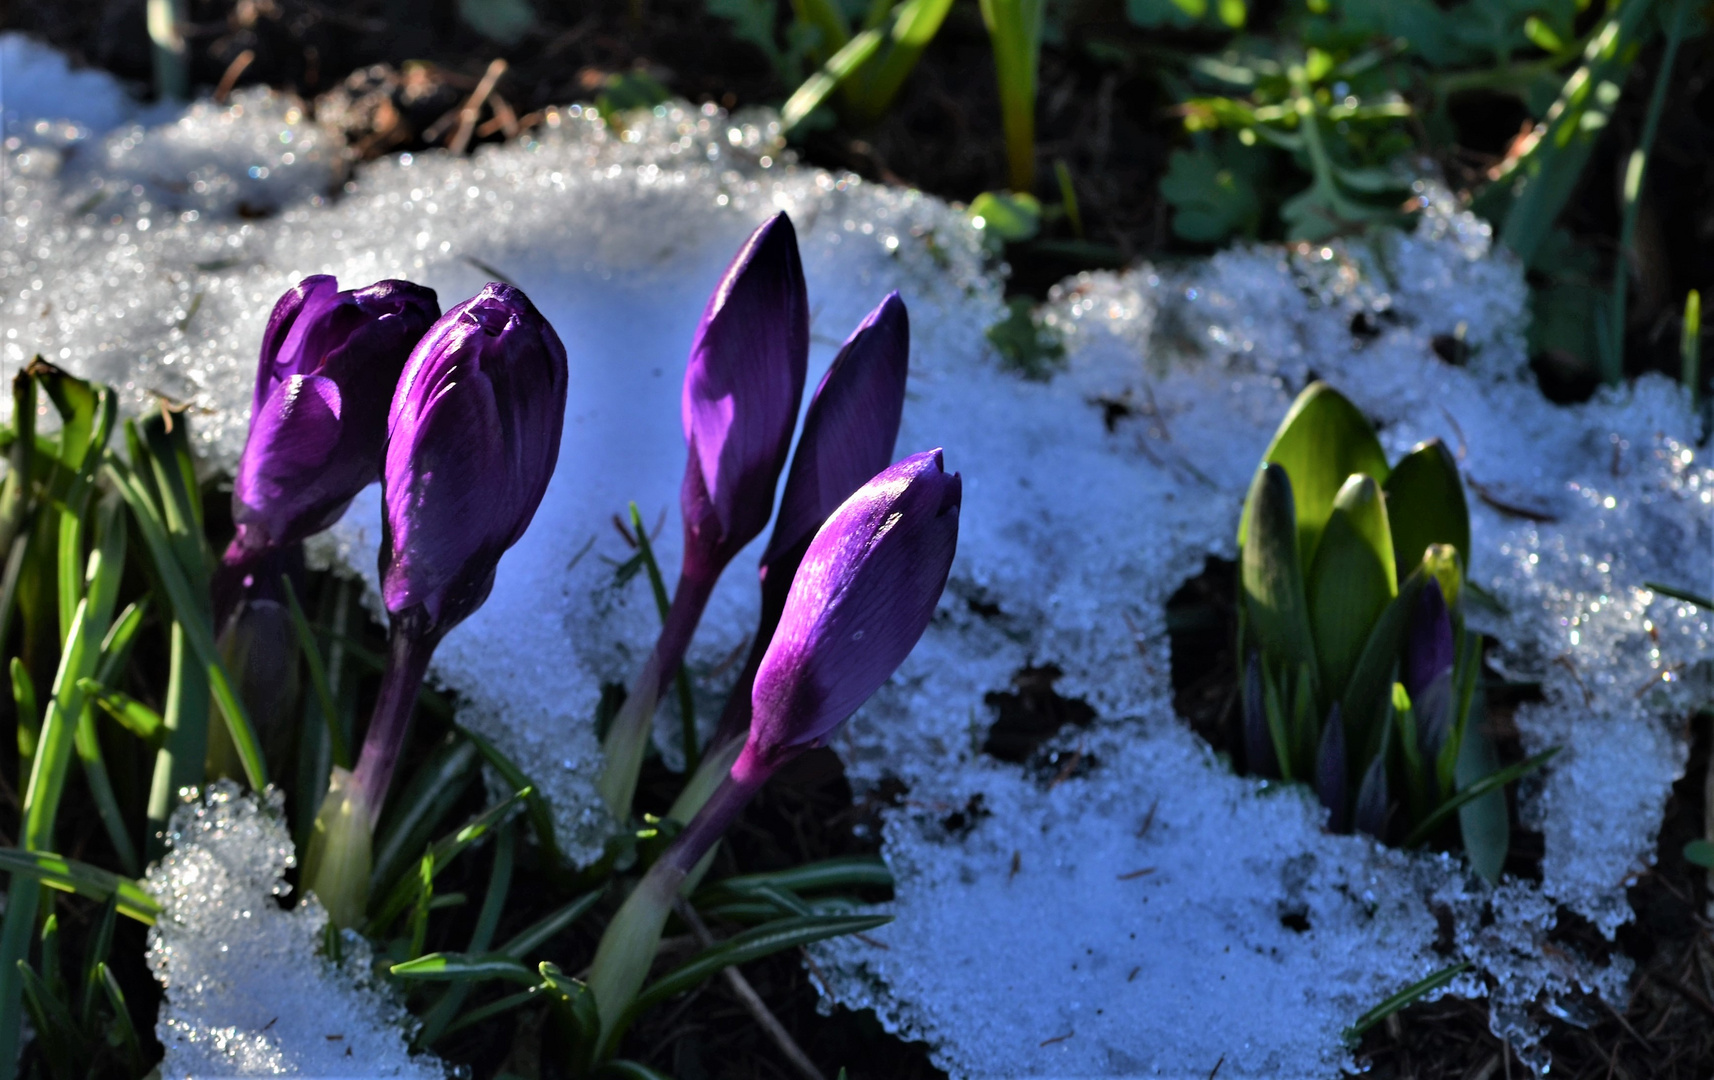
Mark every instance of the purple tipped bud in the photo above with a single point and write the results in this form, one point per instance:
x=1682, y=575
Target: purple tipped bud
x=1259, y=754
x=318, y=420
x=1428, y=669
x=1330, y=770
x=741, y=395
x=848, y=431
x=1370, y=814
x=472, y=442
x=848, y=436
x=864, y=594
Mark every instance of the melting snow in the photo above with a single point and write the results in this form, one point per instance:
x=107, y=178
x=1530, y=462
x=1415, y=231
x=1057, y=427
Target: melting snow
x=119, y=265
x=246, y=993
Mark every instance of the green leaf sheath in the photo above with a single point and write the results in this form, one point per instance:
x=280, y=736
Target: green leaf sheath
x=1426, y=505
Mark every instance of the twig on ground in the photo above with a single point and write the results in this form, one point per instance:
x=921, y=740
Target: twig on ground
x=751, y=1000
x=473, y=107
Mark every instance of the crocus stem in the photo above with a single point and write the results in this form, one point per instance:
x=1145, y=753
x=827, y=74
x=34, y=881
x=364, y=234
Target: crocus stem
x=629, y=733
x=407, y=663
x=628, y=947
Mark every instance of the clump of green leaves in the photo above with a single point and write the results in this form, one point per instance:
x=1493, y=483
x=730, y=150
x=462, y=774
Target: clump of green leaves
x=1026, y=345
x=1358, y=674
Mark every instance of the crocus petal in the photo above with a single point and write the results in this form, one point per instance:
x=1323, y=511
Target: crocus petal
x=741, y=392
x=283, y=488
x=317, y=287
x=1330, y=770
x=474, y=434
x=850, y=427
x=300, y=468
x=862, y=597
x=451, y=493
x=1429, y=650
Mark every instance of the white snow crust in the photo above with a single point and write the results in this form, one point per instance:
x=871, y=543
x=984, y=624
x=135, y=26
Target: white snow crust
x=246, y=993
x=1074, y=536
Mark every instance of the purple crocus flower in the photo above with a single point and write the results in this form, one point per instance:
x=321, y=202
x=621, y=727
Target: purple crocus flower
x=330, y=360
x=741, y=395
x=473, y=438
x=740, y=401
x=1428, y=662
x=864, y=594
x=848, y=435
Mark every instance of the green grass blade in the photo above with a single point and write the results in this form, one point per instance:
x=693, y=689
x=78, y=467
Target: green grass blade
x=541, y=813
x=317, y=675
x=29, y=718
x=443, y=852
x=1491, y=782
x=90, y=882
x=420, y=910
x=481, y=937
x=1680, y=594
x=122, y=1020
x=101, y=790
x=681, y=679
x=750, y=945
x=839, y=67
x=132, y=715
x=56, y=1031
x=100, y=944
x=447, y=967
x=915, y=24
x=1404, y=997
x=549, y=927
x=116, y=646
x=429, y=796
x=848, y=872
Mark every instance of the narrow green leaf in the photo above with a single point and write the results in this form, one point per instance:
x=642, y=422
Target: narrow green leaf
x=877, y=83
x=90, y=882
x=1010, y=216
x=95, y=953
x=681, y=678
x=414, y=816
x=1700, y=852
x=847, y=872
x=1484, y=822
x=1491, y=782
x=116, y=646
x=133, y=715
x=541, y=813
x=818, y=86
x=1404, y=997
x=442, y=852
x=1279, y=730
x=317, y=674
x=574, y=1011
x=550, y=926
x=55, y=1029
x=420, y=911
x=1690, y=348
x=1275, y=602
x=1680, y=594
x=493, y=903
x=122, y=1020
x=29, y=719
x=1320, y=443
x=1425, y=505
x=751, y=945
x=1352, y=580
x=447, y=967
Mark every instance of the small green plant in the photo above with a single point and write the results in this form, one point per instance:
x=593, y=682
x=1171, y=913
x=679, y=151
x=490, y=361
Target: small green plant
x=1358, y=674
x=1015, y=31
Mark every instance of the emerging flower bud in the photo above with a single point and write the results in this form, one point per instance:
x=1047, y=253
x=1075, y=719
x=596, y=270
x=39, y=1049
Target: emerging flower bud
x=472, y=441
x=339, y=860
x=741, y=395
x=739, y=404
x=1428, y=663
x=848, y=435
x=330, y=360
x=864, y=594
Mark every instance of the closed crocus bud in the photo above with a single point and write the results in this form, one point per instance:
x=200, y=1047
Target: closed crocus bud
x=318, y=420
x=863, y=595
x=848, y=435
x=741, y=395
x=472, y=442
x=1429, y=659
x=739, y=404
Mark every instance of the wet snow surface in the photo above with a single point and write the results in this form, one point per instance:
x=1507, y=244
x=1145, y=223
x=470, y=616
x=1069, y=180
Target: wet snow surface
x=1147, y=917
x=246, y=993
